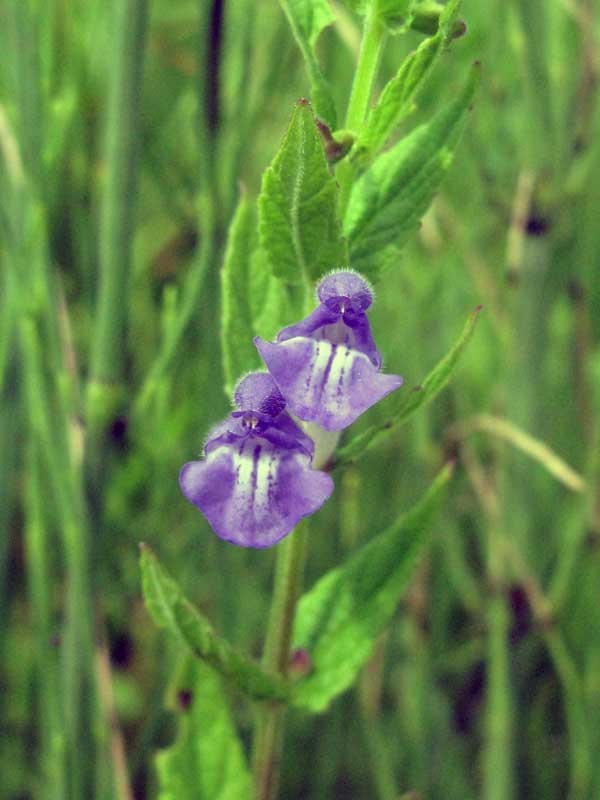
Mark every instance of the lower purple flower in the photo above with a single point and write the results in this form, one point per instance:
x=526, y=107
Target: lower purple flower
x=256, y=481
x=327, y=365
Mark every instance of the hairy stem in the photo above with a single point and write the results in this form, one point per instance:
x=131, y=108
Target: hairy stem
x=270, y=723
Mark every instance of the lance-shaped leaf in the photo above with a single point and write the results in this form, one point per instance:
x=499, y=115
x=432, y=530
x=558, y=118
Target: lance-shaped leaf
x=397, y=99
x=299, y=228
x=170, y=609
x=340, y=618
x=239, y=354
x=389, y=199
x=532, y=447
x=307, y=18
x=270, y=299
x=433, y=384
x=206, y=761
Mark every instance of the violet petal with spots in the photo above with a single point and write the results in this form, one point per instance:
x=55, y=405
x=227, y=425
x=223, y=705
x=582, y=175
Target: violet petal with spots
x=256, y=482
x=330, y=384
x=327, y=365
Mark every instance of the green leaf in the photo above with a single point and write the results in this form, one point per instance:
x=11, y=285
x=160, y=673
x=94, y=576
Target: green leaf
x=239, y=354
x=271, y=303
x=400, y=15
x=426, y=16
x=386, y=9
x=340, y=618
x=433, y=384
x=276, y=312
x=532, y=447
x=299, y=228
x=171, y=610
x=394, y=13
x=307, y=18
x=388, y=200
x=397, y=99
x=206, y=762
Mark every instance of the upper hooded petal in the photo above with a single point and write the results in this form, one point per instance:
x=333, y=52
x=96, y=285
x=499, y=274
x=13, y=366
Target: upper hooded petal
x=254, y=493
x=344, y=283
x=346, y=327
x=363, y=339
x=258, y=392
x=323, y=382
x=309, y=325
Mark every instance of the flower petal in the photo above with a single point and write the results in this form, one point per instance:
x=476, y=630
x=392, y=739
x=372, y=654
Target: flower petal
x=258, y=392
x=306, y=327
x=363, y=339
x=330, y=384
x=295, y=437
x=347, y=284
x=252, y=493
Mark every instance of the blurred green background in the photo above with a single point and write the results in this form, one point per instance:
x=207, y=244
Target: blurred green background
x=125, y=130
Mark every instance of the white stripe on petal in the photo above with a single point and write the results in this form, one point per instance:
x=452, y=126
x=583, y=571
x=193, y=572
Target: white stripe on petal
x=325, y=382
x=252, y=492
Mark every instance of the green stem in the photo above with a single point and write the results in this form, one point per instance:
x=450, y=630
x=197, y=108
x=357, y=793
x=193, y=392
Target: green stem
x=52, y=740
x=369, y=696
x=7, y=325
x=497, y=755
x=366, y=70
x=188, y=307
x=576, y=528
x=26, y=25
x=47, y=399
x=67, y=693
x=566, y=669
x=117, y=210
x=580, y=757
x=362, y=86
x=77, y=645
x=208, y=220
x=270, y=724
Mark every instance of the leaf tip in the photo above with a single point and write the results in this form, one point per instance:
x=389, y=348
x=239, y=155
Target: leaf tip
x=146, y=551
x=458, y=29
x=184, y=699
x=450, y=464
x=300, y=664
x=451, y=448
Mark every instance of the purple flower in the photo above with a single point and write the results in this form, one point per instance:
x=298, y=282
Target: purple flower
x=327, y=366
x=256, y=481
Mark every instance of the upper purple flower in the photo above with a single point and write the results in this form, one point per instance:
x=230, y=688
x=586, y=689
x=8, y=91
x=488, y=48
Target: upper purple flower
x=256, y=481
x=327, y=365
